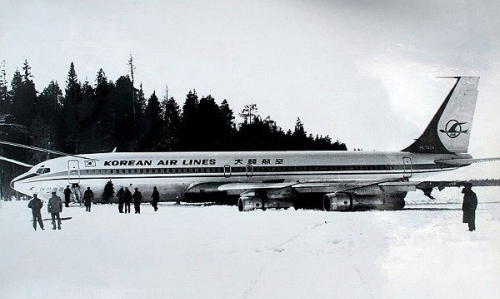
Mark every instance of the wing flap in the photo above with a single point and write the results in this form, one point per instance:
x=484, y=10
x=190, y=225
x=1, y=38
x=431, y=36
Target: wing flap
x=232, y=188
x=253, y=186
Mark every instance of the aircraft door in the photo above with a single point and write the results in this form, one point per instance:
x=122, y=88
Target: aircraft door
x=73, y=172
x=227, y=171
x=249, y=169
x=407, y=167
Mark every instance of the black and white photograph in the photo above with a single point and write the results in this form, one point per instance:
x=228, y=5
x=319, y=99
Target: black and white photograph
x=249, y=149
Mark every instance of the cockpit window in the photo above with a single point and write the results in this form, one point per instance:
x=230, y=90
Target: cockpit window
x=43, y=170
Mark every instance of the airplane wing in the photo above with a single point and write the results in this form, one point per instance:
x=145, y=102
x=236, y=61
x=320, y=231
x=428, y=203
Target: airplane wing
x=15, y=162
x=357, y=192
x=236, y=188
x=233, y=188
x=43, y=150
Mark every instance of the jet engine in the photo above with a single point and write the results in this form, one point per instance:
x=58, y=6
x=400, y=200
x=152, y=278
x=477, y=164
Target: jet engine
x=337, y=202
x=353, y=202
x=252, y=200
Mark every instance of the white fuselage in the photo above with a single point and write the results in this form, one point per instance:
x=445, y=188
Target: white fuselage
x=175, y=172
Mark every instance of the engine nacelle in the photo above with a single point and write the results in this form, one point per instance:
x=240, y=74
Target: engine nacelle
x=337, y=202
x=353, y=202
x=249, y=203
x=251, y=200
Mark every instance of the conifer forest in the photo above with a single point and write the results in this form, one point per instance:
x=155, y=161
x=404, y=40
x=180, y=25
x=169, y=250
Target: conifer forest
x=103, y=115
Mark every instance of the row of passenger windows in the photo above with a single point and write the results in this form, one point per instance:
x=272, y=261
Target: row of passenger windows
x=228, y=169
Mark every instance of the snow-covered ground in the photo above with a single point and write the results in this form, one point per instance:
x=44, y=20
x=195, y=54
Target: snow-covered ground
x=193, y=251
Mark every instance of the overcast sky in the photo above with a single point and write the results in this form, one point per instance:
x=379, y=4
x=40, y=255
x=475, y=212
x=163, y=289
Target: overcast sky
x=363, y=72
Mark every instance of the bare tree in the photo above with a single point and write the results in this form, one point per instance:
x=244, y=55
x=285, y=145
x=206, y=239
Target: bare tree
x=248, y=113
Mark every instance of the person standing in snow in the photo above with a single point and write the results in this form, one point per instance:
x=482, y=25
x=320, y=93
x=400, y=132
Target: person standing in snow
x=67, y=196
x=55, y=208
x=36, y=208
x=127, y=198
x=120, y=194
x=155, y=198
x=88, y=197
x=137, y=196
x=469, y=206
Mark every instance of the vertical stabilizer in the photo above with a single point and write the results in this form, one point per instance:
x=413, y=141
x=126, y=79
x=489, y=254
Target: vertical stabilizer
x=449, y=130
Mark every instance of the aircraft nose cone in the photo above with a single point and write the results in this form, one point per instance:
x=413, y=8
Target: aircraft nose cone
x=14, y=184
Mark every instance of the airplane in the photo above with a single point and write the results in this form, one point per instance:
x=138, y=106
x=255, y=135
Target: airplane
x=332, y=180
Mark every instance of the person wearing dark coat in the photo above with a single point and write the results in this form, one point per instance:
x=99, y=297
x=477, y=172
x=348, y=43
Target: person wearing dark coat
x=127, y=198
x=67, y=196
x=36, y=208
x=137, y=196
x=120, y=194
x=88, y=198
x=55, y=207
x=469, y=206
x=155, y=198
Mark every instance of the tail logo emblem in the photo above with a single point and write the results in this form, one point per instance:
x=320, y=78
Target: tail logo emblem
x=454, y=128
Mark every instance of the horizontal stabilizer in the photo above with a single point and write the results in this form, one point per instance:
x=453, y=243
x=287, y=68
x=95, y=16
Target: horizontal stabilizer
x=465, y=162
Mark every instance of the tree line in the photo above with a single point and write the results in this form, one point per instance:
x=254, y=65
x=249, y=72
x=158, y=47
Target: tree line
x=102, y=115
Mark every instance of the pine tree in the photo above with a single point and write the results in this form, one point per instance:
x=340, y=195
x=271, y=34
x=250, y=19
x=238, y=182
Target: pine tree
x=109, y=191
x=16, y=83
x=140, y=118
x=155, y=121
x=228, y=126
x=249, y=113
x=24, y=98
x=172, y=120
x=188, y=137
x=4, y=97
x=299, y=137
x=50, y=102
x=70, y=110
x=211, y=124
x=73, y=87
x=103, y=127
x=27, y=72
x=123, y=104
x=14, y=94
x=153, y=109
x=132, y=68
x=102, y=91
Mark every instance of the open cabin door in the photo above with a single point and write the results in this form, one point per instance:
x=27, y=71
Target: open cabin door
x=73, y=172
x=407, y=167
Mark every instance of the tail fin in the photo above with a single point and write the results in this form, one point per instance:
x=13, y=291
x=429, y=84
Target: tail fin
x=449, y=130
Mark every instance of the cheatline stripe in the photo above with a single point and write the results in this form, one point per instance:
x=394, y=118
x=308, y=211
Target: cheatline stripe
x=193, y=174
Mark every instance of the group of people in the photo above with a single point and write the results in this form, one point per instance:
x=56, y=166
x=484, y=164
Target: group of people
x=55, y=204
x=125, y=198
x=88, y=196
x=54, y=207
